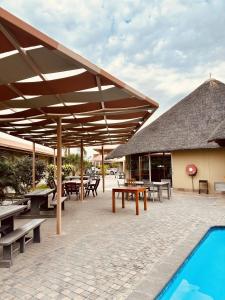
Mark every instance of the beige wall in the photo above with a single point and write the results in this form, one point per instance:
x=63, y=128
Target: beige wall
x=210, y=164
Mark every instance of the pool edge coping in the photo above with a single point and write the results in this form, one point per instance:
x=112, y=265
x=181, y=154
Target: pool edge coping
x=158, y=277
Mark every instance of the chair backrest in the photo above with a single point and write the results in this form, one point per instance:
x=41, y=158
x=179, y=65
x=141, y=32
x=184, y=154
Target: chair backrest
x=121, y=175
x=52, y=184
x=131, y=181
x=72, y=187
x=97, y=183
x=120, y=182
x=166, y=180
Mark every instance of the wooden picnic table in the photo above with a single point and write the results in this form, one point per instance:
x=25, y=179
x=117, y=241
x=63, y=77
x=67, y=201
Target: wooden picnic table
x=7, y=216
x=39, y=201
x=129, y=189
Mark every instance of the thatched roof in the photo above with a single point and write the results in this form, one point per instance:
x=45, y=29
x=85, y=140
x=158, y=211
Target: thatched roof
x=187, y=125
x=218, y=134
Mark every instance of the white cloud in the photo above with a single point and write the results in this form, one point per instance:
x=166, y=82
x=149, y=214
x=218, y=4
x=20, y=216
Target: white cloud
x=163, y=48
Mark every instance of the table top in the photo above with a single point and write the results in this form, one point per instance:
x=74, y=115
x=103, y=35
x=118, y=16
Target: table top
x=9, y=210
x=38, y=193
x=130, y=188
x=147, y=184
x=77, y=181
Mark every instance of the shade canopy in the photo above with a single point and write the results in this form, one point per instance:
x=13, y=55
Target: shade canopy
x=185, y=126
x=41, y=80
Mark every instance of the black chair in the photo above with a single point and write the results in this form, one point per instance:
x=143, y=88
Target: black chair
x=72, y=187
x=92, y=187
x=96, y=185
x=53, y=186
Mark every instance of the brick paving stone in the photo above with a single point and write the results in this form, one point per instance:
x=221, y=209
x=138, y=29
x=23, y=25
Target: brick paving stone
x=101, y=255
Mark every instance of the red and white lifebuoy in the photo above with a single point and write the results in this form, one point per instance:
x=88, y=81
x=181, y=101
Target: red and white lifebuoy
x=191, y=170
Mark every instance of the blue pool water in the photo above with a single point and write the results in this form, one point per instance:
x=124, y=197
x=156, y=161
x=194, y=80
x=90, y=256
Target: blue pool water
x=202, y=275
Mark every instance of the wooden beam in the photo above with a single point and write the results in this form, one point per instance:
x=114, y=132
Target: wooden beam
x=59, y=177
x=81, y=170
x=103, y=171
x=33, y=166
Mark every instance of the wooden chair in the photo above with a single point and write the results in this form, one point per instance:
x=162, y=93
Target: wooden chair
x=72, y=187
x=203, y=186
x=130, y=181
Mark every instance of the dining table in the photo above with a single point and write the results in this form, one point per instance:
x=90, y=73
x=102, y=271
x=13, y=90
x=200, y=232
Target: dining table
x=159, y=186
x=7, y=217
x=77, y=181
x=126, y=190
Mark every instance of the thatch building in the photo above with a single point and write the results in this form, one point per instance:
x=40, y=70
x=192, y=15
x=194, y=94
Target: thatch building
x=218, y=135
x=185, y=131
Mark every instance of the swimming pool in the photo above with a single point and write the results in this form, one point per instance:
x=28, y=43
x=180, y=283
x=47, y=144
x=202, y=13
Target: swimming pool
x=202, y=274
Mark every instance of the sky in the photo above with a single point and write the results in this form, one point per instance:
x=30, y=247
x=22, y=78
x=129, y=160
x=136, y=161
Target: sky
x=163, y=48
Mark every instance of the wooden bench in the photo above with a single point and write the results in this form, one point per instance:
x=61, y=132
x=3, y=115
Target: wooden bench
x=19, y=235
x=20, y=201
x=219, y=186
x=54, y=202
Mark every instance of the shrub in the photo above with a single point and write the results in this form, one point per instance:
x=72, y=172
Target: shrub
x=66, y=171
x=6, y=176
x=23, y=173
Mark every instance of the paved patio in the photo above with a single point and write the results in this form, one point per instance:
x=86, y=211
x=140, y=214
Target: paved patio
x=102, y=255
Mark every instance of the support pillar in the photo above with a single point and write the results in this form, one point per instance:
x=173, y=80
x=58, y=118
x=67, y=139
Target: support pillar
x=81, y=170
x=103, y=171
x=123, y=166
x=54, y=163
x=139, y=168
x=33, y=166
x=59, y=177
x=149, y=167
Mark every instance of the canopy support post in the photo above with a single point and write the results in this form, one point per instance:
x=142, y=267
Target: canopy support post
x=59, y=177
x=103, y=171
x=139, y=168
x=150, y=167
x=33, y=166
x=81, y=170
x=54, y=163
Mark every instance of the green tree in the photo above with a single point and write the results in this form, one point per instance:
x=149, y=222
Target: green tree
x=66, y=171
x=6, y=176
x=50, y=173
x=23, y=173
x=74, y=161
